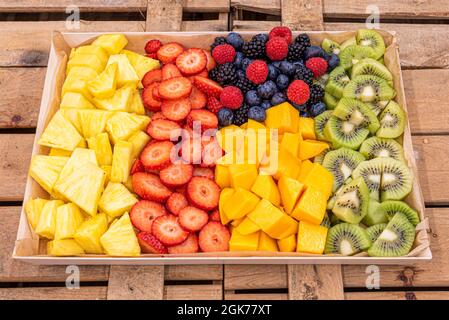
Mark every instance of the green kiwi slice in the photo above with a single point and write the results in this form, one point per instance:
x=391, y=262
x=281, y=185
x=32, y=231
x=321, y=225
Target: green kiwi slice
x=341, y=163
x=351, y=203
x=344, y=133
x=358, y=113
x=377, y=106
x=319, y=158
x=376, y=147
x=320, y=123
x=346, y=239
x=338, y=79
x=372, y=39
x=330, y=46
x=368, y=88
x=395, y=240
x=351, y=55
x=326, y=222
x=331, y=201
x=392, y=121
x=372, y=67
x=330, y=101
x=371, y=172
x=375, y=215
x=374, y=231
x=397, y=179
x=350, y=42
x=391, y=207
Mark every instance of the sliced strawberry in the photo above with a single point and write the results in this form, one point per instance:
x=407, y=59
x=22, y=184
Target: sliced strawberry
x=211, y=153
x=214, y=237
x=210, y=61
x=175, y=88
x=204, y=172
x=151, y=76
x=152, y=55
x=203, y=74
x=170, y=71
x=203, y=193
x=137, y=167
x=208, y=86
x=156, y=156
x=215, y=215
x=176, y=110
x=144, y=212
x=168, y=231
x=149, y=187
x=191, y=151
x=193, y=219
x=205, y=118
x=191, y=61
x=190, y=245
x=176, y=202
x=148, y=99
x=153, y=46
x=198, y=99
x=157, y=115
x=155, y=92
x=149, y=244
x=162, y=129
x=176, y=175
x=169, y=52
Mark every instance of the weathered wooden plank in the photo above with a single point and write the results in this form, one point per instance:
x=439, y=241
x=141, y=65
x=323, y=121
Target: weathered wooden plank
x=209, y=25
x=263, y=6
x=53, y=293
x=194, y=272
x=398, y=295
x=83, y=5
x=302, y=14
x=193, y=292
x=244, y=25
x=164, y=15
x=231, y=295
x=255, y=277
x=205, y=6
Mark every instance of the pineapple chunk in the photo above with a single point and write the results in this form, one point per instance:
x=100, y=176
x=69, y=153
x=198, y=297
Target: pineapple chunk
x=89, y=49
x=33, y=209
x=89, y=233
x=139, y=140
x=136, y=105
x=140, y=63
x=120, y=239
x=104, y=85
x=59, y=152
x=68, y=219
x=126, y=73
x=120, y=101
x=60, y=133
x=93, y=122
x=75, y=100
x=85, y=73
x=122, y=125
x=107, y=171
x=116, y=200
x=72, y=115
x=121, y=161
x=102, y=147
x=74, y=84
x=45, y=170
x=112, y=43
x=64, y=248
x=46, y=226
x=86, y=60
x=129, y=184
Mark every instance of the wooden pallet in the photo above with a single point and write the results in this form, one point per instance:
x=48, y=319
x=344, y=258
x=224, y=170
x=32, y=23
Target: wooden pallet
x=424, y=44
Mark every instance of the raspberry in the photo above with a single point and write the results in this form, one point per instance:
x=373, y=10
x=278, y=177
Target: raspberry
x=257, y=71
x=231, y=97
x=213, y=105
x=152, y=55
x=276, y=48
x=317, y=65
x=152, y=46
x=298, y=92
x=223, y=53
x=283, y=32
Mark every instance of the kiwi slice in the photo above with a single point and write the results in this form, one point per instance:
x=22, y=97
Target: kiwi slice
x=319, y=158
x=377, y=106
x=326, y=222
x=351, y=55
x=338, y=79
x=391, y=207
x=392, y=121
x=350, y=42
x=344, y=133
x=330, y=101
x=331, y=201
x=368, y=88
x=372, y=67
x=330, y=46
x=395, y=240
x=320, y=123
x=376, y=147
x=334, y=220
x=375, y=215
x=397, y=179
x=374, y=231
x=346, y=239
x=341, y=163
x=372, y=174
x=351, y=203
x=372, y=39
x=358, y=113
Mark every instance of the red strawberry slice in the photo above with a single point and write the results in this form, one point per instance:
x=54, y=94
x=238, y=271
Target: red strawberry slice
x=176, y=175
x=210, y=61
x=156, y=155
x=169, y=52
x=203, y=74
x=191, y=151
x=155, y=92
x=204, y=172
x=153, y=46
x=162, y=129
x=190, y=245
x=176, y=110
x=214, y=237
x=211, y=153
x=191, y=61
x=149, y=100
x=152, y=55
x=205, y=118
x=176, y=202
x=175, y=88
x=151, y=76
x=197, y=98
x=144, y=212
x=149, y=187
x=158, y=115
x=137, y=167
x=170, y=71
x=149, y=244
x=168, y=231
x=203, y=193
x=193, y=219
x=215, y=215
x=208, y=86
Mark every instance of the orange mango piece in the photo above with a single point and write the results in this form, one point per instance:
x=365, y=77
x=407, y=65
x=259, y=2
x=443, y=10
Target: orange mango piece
x=247, y=227
x=236, y=223
x=240, y=203
x=306, y=167
x=291, y=142
x=288, y=165
x=243, y=175
x=240, y=242
x=266, y=188
x=225, y=195
x=311, y=238
x=307, y=127
x=311, y=148
x=266, y=243
x=222, y=176
x=320, y=179
x=311, y=206
x=287, y=244
x=290, y=190
x=283, y=117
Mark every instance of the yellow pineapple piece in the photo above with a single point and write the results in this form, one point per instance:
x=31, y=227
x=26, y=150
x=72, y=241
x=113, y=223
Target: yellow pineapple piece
x=89, y=233
x=140, y=63
x=46, y=169
x=64, y=248
x=129, y=184
x=102, y=147
x=59, y=152
x=86, y=60
x=139, y=140
x=85, y=73
x=68, y=219
x=136, y=105
x=104, y=85
x=107, y=171
x=112, y=43
x=122, y=125
x=60, y=133
x=89, y=49
x=75, y=100
x=116, y=200
x=72, y=115
x=126, y=73
x=78, y=158
x=74, y=84
x=33, y=209
x=93, y=122
x=120, y=239
x=118, y=102
x=121, y=161
x=46, y=226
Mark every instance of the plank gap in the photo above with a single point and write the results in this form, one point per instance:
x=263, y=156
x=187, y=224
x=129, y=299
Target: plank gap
x=260, y=291
x=398, y=289
x=61, y=16
x=49, y=284
x=188, y=282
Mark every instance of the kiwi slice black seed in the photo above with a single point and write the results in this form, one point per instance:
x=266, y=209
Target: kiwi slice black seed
x=338, y=79
x=346, y=239
x=330, y=46
x=326, y=222
x=331, y=201
x=375, y=215
x=392, y=121
x=377, y=106
x=368, y=88
x=358, y=113
x=351, y=203
x=372, y=39
x=372, y=174
x=397, y=179
x=320, y=123
x=391, y=207
x=353, y=54
x=375, y=147
x=330, y=101
x=341, y=163
x=319, y=158
x=374, y=231
x=395, y=240
x=372, y=67
x=344, y=133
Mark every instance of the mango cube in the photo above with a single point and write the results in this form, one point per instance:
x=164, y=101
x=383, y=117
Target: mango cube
x=311, y=148
x=311, y=206
x=311, y=238
x=291, y=142
x=306, y=167
x=225, y=195
x=112, y=43
x=243, y=175
x=283, y=117
x=123, y=125
x=75, y=100
x=266, y=188
x=287, y=244
x=288, y=165
x=236, y=223
x=89, y=233
x=121, y=161
x=45, y=170
x=320, y=179
x=126, y=73
x=116, y=200
x=120, y=239
x=104, y=85
x=138, y=140
x=240, y=242
x=247, y=227
x=46, y=226
x=290, y=190
x=307, y=128
x=33, y=209
x=64, y=248
x=240, y=203
x=68, y=219
x=222, y=176
x=266, y=243
x=102, y=147
x=256, y=125
x=230, y=138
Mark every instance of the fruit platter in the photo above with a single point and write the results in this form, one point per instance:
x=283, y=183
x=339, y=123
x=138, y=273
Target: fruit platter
x=199, y=148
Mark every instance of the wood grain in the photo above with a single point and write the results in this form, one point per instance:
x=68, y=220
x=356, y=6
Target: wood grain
x=194, y=292
x=83, y=5
x=272, y=7
x=205, y=6
x=164, y=15
x=231, y=295
x=398, y=295
x=194, y=272
x=302, y=14
x=53, y=293
x=255, y=277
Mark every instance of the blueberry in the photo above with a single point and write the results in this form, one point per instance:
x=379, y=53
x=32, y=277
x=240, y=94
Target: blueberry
x=261, y=36
x=235, y=40
x=238, y=59
x=245, y=63
x=313, y=51
x=276, y=64
x=266, y=104
x=300, y=107
x=257, y=113
x=282, y=82
x=304, y=114
x=252, y=98
x=333, y=62
x=317, y=108
x=267, y=89
x=287, y=68
x=225, y=117
x=278, y=98
x=240, y=74
x=273, y=72
x=298, y=63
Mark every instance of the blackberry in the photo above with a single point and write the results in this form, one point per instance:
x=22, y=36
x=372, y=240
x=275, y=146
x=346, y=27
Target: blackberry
x=316, y=93
x=302, y=73
x=213, y=74
x=241, y=115
x=255, y=48
x=224, y=74
x=295, y=51
x=245, y=85
x=303, y=39
x=217, y=41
